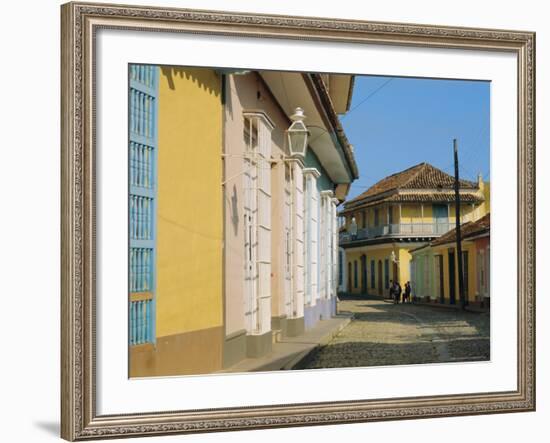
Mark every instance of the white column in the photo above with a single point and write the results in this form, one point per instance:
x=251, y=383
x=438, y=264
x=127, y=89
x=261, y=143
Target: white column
x=322, y=246
x=311, y=234
x=326, y=233
x=288, y=241
x=334, y=216
x=297, y=169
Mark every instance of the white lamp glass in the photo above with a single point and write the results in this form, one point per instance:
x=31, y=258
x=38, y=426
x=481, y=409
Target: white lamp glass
x=298, y=134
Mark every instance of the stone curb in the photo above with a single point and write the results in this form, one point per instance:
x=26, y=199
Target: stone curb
x=324, y=341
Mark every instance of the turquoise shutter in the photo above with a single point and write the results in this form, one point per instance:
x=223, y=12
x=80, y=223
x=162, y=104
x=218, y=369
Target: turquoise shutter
x=142, y=203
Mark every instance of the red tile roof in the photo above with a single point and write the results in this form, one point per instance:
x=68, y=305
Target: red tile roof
x=421, y=176
x=468, y=230
x=435, y=197
x=417, y=184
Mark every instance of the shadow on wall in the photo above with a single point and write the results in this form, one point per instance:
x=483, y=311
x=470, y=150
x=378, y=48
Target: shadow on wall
x=194, y=74
x=235, y=210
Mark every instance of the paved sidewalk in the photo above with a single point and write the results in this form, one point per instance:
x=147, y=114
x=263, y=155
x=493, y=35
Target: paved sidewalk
x=291, y=350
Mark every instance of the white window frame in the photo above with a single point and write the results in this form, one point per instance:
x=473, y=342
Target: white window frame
x=257, y=213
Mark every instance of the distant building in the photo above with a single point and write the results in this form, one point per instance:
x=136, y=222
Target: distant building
x=401, y=212
x=435, y=266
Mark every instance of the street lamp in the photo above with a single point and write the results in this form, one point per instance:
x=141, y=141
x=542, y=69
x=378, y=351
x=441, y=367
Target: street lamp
x=394, y=258
x=395, y=262
x=297, y=134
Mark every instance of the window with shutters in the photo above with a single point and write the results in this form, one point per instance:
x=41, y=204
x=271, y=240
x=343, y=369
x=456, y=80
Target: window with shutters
x=143, y=93
x=257, y=222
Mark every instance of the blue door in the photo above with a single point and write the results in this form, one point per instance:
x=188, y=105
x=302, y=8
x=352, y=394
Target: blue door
x=441, y=219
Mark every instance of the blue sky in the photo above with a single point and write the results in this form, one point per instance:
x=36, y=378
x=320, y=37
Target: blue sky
x=395, y=123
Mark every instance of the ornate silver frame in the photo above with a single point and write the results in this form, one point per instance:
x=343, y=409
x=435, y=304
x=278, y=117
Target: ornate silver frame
x=80, y=21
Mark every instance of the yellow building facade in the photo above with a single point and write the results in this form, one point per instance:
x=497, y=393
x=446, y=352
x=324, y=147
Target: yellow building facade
x=435, y=265
x=397, y=215
x=186, y=273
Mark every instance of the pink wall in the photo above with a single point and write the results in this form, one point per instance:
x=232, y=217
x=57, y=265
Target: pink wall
x=248, y=92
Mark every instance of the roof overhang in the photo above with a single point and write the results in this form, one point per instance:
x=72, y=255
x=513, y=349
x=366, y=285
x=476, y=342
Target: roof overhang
x=341, y=90
x=294, y=89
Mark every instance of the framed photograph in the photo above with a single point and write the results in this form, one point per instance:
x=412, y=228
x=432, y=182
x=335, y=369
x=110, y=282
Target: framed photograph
x=277, y=221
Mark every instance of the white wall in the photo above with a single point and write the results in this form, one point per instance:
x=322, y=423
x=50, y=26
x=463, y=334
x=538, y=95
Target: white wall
x=29, y=222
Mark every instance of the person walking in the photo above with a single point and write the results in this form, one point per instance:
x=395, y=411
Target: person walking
x=407, y=293
x=398, y=291
x=391, y=290
x=352, y=229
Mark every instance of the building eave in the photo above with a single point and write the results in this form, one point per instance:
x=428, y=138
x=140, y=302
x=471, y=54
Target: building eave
x=327, y=140
x=334, y=121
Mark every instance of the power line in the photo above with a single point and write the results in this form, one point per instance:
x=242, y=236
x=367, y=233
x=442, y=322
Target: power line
x=367, y=97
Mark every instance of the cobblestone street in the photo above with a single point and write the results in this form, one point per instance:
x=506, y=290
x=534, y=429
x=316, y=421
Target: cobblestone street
x=382, y=333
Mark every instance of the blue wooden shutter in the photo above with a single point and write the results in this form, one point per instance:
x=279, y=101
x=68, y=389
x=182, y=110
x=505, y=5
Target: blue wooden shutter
x=142, y=203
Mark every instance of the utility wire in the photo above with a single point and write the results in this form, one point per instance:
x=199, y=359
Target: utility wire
x=367, y=97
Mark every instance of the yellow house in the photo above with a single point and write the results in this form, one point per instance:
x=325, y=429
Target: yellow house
x=401, y=212
x=176, y=222
x=435, y=265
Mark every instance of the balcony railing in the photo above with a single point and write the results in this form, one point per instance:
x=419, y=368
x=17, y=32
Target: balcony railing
x=398, y=230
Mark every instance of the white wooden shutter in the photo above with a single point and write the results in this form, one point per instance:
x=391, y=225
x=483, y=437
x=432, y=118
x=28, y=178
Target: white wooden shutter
x=257, y=214
x=264, y=225
x=311, y=232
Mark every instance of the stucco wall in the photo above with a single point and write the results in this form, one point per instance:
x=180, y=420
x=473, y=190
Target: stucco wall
x=247, y=92
x=412, y=213
x=311, y=161
x=471, y=288
x=379, y=253
x=189, y=214
x=443, y=250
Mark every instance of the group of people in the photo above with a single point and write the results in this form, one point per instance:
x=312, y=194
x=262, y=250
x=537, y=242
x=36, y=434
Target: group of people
x=396, y=290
